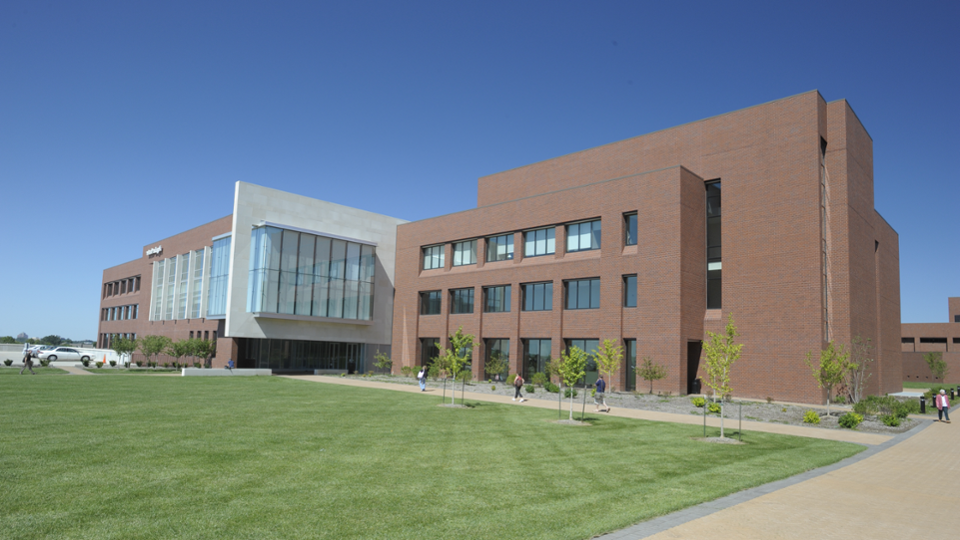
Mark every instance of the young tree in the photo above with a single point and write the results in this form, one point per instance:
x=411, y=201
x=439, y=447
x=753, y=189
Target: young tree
x=203, y=349
x=649, y=371
x=857, y=370
x=609, y=358
x=180, y=349
x=123, y=346
x=382, y=361
x=455, y=357
x=151, y=346
x=937, y=365
x=721, y=352
x=572, y=368
x=833, y=367
x=495, y=365
x=8, y=340
x=52, y=339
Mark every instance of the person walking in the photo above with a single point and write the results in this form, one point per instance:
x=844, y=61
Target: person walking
x=517, y=385
x=27, y=363
x=943, y=406
x=422, y=378
x=598, y=398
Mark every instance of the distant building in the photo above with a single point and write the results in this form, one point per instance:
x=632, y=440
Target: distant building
x=23, y=336
x=918, y=339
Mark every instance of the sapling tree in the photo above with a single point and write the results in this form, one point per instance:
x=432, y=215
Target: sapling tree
x=649, y=371
x=151, y=346
x=857, y=370
x=123, y=346
x=456, y=355
x=721, y=351
x=495, y=365
x=609, y=357
x=204, y=349
x=572, y=368
x=937, y=365
x=833, y=367
x=179, y=349
x=382, y=361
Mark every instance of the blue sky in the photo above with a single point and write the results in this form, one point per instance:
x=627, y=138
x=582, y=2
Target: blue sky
x=122, y=123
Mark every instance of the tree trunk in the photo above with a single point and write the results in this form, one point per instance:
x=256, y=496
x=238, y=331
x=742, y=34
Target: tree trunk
x=721, y=418
x=571, y=403
x=453, y=395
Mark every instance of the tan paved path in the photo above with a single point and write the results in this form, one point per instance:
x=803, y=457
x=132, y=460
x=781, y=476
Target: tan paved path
x=74, y=370
x=817, y=433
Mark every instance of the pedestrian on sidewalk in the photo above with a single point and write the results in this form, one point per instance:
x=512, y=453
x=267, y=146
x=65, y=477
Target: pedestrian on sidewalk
x=598, y=398
x=943, y=406
x=27, y=363
x=422, y=378
x=517, y=385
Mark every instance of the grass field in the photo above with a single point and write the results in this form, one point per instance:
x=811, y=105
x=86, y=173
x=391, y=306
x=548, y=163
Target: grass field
x=263, y=457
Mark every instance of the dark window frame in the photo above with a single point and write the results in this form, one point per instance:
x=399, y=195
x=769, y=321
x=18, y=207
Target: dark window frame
x=596, y=226
x=592, y=294
x=546, y=240
x=626, y=290
x=547, y=296
x=460, y=298
x=505, y=291
x=427, y=253
x=428, y=299
x=628, y=238
x=494, y=242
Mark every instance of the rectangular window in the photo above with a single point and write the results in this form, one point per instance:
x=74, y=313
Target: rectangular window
x=197, y=284
x=428, y=350
x=537, y=296
x=500, y=248
x=630, y=291
x=583, y=293
x=714, y=259
x=465, y=253
x=461, y=301
x=496, y=299
x=630, y=228
x=539, y=242
x=631, y=354
x=536, y=354
x=583, y=236
x=170, y=288
x=956, y=318
x=498, y=349
x=433, y=257
x=430, y=303
x=182, y=286
x=136, y=311
x=219, y=275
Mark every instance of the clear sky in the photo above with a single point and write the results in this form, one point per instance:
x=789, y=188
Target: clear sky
x=123, y=123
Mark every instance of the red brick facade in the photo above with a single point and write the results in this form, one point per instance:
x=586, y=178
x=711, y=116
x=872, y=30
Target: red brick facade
x=768, y=160
x=921, y=338
x=142, y=270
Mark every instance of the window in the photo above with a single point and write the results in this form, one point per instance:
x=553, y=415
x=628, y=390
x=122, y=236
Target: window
x=539, y=242
x=714, y=262
x=583, y=293
x=497, y=349
x=631, y=346
x=536, y=354
x=465, y=253
x=583, y=236
x=537, y=296
x=428, y=350
x=956, y=318
x=496, y=299
x=630, y=291
x=430, y=303
x=590, y=347
x=219, y=275
x=433, y=257
x=462, y=300
x=500, y=248
x=182, y=286
x=197, y=284
x=170, y=288
x=630, y=226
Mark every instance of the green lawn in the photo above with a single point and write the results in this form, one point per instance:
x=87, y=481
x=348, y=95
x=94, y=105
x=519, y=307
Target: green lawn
x=263, y=457
x=15, y=371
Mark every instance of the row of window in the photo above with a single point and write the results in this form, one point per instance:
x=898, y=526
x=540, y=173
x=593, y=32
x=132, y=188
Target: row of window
x=121, y=286
x=106, y=340
x=578, y=294
x=120, y=313
x=581, y=236
x=178, y=286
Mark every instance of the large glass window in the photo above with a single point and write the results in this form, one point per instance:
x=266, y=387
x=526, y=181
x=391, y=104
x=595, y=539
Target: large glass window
x=630, y=291
x=500, y=248
x=583, y=293
x=714, y=261
x=498, y=349
x=182, y=286
x=219, y=275
x=299, y=273
x=583, y=236
x=536, y=354
x=465, y=253
x=537, y=296
x=589, y=346
x=170, y=289
x=433, y=257
x=197, y=284
x=630, y=228
x=496, y=299
x=461, y=300
x=430, y=302
x=158, y=290
x=539, y=242
x=631, y=346
x=428, y=350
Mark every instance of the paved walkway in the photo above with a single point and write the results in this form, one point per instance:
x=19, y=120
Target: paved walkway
x=74, y=370
x=901, y=487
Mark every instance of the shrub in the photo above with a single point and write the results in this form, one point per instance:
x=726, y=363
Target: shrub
x=493, y=387
x=909, y=407
x=44, y=362
x=434, y=371
x=840, y=399
x=850, y=420
x=407, y=371
x=769, y=399
x=166, y=365
x=511, y=378
x=8, y=362
x=539, y=378
x=86, y=363
x=196, y=364
x=98, y=364
x=861, y=407
x=713, y=408
x=139, y=363
x=529, y=389
x=550, y=387
x=343, y=374
x=698, y=401
x=566, y=392
x=113, y=363
x=891, y=420
x=811, y=417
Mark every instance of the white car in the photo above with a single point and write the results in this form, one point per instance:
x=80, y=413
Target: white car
x=62, y=353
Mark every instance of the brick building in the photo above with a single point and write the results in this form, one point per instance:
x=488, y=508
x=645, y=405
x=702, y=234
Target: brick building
x=627, y=241
x=918, y=339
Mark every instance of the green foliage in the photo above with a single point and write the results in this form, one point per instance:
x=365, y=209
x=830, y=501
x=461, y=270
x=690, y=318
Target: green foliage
x=98, y=364
x=649, y=371
x=407, y=371
x=722, y=352
x=550, y=387
x=857, y=375
x=539, y=378
x=529, y=389
x=493, y=387
x=937, y=365
x=832, y=368
x=85, y=362
x=850, y=420
x=496, y=365
x=203, y=349
x=113, y=363
x=8, y=340
x=811, y=417
x=572, y=368
x=713, y=408
x=891, y=420
x=382, y=361
x=52, y=339
x=698, y=401
x=886, y=406
x=511, y=378
x=840, y=399
x=139, y=363
x=567, y=392
x=8, y=362
x=609, y=356
x=433, y=370
x=933, y=391
x=45, y=362
x=123, y=346
x=151, y=346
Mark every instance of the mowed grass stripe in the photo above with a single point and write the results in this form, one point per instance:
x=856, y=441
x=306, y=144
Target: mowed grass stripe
x=261, y=457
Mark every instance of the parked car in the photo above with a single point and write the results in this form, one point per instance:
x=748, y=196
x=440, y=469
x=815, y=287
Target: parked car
x=62, y=353
x=35, y=349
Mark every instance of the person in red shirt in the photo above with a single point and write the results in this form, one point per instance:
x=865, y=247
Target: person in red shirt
x=943, y=406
